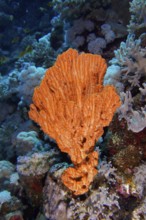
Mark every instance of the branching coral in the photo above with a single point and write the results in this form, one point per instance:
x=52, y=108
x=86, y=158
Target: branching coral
x=72, y=106
x=138, y=15
x=128, y=73
x=101, y=204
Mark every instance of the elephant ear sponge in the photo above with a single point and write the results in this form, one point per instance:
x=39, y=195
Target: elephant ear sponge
x=72, y=106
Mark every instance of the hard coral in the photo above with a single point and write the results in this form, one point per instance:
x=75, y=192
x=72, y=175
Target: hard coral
x=72, y=106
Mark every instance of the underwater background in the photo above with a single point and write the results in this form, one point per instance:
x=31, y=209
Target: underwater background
x=33, y=34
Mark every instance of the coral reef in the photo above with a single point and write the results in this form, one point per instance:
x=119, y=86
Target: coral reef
x=139, y=212
x=121, y=144
x=6, y=169
x=85, y=32
x=103, y=201
x=139, y=179
x=5, y=196
x=100, y=204
x=8, y=85
x=28, y=79
x=53, y=192
x=10, y=189
x=127, y=74
x=33, y=164
x=42, y=54
x=27, y=141
x=29, y=165
x=11, y=208
x=138, y=13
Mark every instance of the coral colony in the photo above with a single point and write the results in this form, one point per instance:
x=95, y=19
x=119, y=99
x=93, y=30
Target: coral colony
x=73, y=110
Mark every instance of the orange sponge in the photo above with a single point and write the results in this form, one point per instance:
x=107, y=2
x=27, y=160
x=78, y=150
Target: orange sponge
x=72, y=106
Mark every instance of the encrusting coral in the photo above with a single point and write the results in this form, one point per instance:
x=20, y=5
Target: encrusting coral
x=72, y=106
